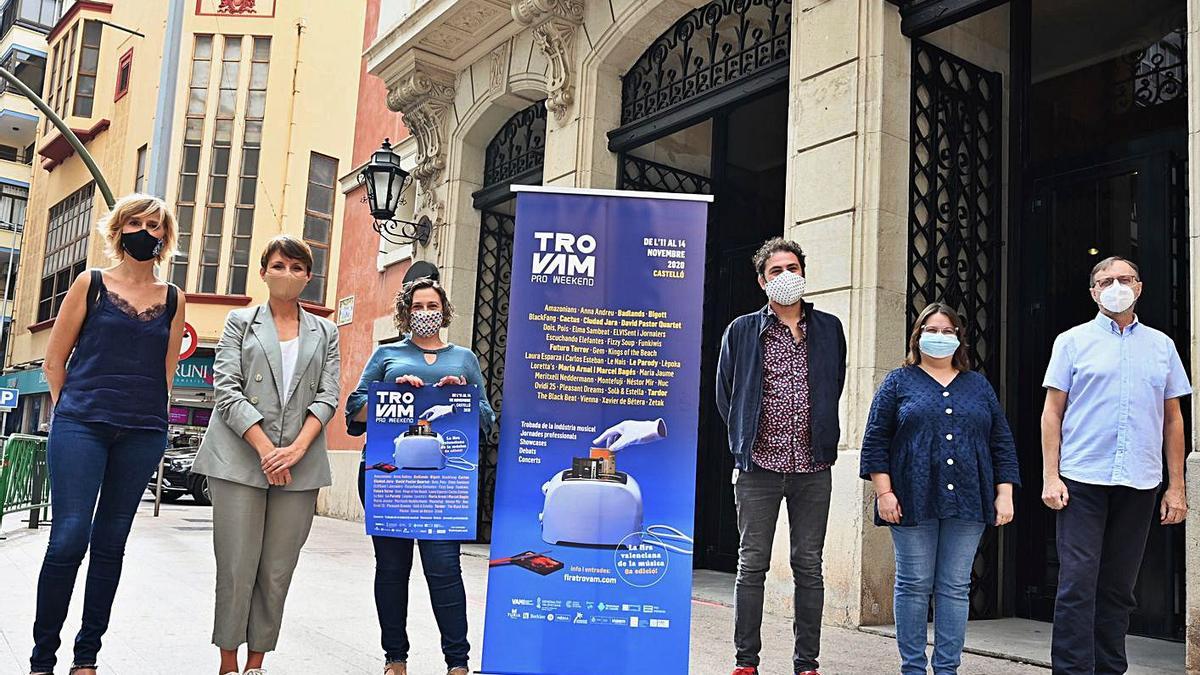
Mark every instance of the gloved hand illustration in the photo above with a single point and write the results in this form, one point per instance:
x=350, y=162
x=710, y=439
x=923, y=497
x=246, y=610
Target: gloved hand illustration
x=436, y=412
x=631, y=432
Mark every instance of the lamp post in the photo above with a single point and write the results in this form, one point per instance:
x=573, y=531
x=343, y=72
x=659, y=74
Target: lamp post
x=385, y=181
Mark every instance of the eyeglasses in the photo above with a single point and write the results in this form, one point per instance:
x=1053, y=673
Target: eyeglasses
x=1125, y=279
x=930, y=330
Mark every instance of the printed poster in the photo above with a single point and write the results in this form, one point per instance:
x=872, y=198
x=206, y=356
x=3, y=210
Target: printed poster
x=422, y=461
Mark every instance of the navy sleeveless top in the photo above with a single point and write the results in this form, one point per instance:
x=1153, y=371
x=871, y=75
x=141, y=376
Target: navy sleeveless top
x=117, y=373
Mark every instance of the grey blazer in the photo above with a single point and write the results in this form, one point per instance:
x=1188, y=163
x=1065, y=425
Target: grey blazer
x=247, y=376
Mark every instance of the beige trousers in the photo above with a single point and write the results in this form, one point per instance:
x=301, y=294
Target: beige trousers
x=257, y=537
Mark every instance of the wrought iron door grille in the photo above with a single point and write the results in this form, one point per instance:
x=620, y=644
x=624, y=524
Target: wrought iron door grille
x=707, y=49
x=954, y=233
x=1156, y=74
x=954, y=196
x=643, y=174
x=519, y=146
x=490, y=337
x=515, y=153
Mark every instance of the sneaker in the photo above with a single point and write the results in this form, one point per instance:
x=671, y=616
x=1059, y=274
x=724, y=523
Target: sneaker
x=458, y=670
x=255, y=671
x=808, y=672
x=745, y=670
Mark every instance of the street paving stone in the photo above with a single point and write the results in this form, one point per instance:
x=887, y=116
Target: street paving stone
x=162, y=619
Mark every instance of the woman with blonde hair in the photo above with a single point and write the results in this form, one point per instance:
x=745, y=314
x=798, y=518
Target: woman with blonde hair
x=121, y=328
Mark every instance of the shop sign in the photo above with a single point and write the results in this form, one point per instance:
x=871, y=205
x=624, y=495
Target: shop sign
x=27, y=381
x=195, y=373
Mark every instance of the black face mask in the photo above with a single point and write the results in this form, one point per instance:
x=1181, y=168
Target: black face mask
x=141, y=245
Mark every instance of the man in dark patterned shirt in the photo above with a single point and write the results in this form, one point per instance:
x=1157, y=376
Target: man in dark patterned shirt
x=780, y=374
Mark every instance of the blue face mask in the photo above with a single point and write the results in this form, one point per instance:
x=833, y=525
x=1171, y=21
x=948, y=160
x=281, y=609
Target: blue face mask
x=938, y=346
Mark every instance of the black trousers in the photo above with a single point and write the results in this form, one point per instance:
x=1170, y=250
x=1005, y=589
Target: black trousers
x=1101, y=537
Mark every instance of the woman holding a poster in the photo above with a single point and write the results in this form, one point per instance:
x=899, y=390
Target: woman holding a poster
x=940, y=454
x=276, y=379
x=422, y=310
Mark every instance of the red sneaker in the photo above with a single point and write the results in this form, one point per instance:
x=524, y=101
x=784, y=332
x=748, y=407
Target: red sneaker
x=747, y=670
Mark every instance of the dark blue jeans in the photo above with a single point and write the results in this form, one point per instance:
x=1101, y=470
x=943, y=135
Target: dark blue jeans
x=393, y=564
x=97, y=476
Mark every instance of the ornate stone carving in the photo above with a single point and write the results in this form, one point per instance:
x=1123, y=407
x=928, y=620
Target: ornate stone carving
x=498, y=75
x=236, y=7
x=424, y=94
x=554, y=23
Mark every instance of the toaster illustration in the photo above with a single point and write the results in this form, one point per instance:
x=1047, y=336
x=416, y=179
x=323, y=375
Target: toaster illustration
x=592, y=504
x=420, y=448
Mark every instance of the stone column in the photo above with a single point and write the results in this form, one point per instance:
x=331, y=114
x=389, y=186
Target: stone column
x=847, y=200
x=1193, y=465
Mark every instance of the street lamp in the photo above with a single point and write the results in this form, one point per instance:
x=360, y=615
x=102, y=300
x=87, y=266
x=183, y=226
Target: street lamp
x=385, y=182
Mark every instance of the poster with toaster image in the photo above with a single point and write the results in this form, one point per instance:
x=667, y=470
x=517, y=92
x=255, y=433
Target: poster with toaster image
x=590, y=569
x=422, y=461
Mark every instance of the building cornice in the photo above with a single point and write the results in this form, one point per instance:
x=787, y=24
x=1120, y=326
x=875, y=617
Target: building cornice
x=82, y=5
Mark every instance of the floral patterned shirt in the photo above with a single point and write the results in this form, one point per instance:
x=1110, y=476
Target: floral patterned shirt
x=784, y=440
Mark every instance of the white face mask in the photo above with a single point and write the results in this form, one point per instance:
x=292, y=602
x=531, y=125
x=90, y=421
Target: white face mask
x=1117, y=297
x=785, y=289
x=425, y=323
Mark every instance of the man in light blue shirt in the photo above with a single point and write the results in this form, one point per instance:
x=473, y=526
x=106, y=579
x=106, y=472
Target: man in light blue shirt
x=1112, y=406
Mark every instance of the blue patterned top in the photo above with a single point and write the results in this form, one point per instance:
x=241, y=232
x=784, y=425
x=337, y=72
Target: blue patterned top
x=945, y=448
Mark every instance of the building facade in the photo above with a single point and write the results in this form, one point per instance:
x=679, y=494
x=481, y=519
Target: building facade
x=981, y=152
x=371, y=271
x=24, y=25
x=261, y=132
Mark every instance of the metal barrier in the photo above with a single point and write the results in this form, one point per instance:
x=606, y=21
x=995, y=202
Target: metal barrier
x=24, y=478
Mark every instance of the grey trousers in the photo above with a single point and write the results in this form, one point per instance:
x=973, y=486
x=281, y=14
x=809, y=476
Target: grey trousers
x=257, y=537
x=758, y=495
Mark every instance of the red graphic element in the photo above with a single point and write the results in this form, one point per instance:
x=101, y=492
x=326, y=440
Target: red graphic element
x=237, y=7
x=190, y=342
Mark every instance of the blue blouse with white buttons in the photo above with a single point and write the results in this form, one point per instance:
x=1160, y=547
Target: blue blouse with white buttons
x=945, y=448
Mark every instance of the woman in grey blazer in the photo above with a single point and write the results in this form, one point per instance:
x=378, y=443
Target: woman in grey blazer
x=276, y=381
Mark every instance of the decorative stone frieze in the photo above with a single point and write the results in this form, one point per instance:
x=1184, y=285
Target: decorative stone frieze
x=554, y=23
x=424, y=94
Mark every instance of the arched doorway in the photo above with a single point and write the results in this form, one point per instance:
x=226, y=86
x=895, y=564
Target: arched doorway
x=514, y=156
x=704, y=110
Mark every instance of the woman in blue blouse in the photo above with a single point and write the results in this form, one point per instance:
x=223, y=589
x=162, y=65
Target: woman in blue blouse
x=940, y=454
x=422, y=310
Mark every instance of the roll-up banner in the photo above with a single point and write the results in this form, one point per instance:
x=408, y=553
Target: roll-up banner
x=591, y=557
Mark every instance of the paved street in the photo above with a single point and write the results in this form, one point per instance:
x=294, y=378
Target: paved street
x=162, y=618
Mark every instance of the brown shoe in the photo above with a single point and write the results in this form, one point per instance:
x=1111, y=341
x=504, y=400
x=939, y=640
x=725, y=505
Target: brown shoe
x=395, y=668
x=458, y=670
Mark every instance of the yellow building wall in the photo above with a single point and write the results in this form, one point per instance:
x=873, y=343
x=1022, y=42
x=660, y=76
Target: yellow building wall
x=311, y=97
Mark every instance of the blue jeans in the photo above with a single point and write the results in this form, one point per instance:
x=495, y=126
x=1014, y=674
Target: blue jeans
x=443, y=574
x=935, y=558
x=88, y=462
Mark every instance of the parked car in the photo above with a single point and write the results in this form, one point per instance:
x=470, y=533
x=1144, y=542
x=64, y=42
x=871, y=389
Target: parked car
x=178, y=479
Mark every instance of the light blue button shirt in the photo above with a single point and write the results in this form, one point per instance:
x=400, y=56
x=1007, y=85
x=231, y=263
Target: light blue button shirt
x=1116, y=383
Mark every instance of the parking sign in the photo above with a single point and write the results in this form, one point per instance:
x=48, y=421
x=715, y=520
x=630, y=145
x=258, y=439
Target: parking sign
x=8, y=398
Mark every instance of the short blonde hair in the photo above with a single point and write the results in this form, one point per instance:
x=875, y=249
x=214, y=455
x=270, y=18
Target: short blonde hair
x=134, y=206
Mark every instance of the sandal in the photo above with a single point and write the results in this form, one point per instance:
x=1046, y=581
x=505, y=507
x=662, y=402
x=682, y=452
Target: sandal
x=396, y=668
x=458, y=670
x=75, y=669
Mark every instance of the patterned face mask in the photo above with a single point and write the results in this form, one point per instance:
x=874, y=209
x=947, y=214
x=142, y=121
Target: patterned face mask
x=786, y=289
x=425, y=323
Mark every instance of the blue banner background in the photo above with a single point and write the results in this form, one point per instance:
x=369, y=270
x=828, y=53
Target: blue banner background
x=425, y=503
x=601, y=612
